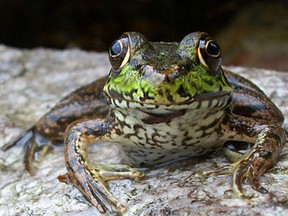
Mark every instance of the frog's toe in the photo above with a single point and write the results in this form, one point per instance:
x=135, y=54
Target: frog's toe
x=94, y=188
x=91, y=181
x=219, y=171
x=247, y=171
x=118, y=171
x=33, y=143
x=238, y=178
x=255, y=183
x=101, y=198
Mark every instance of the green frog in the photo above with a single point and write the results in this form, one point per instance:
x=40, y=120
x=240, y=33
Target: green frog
x=162, y=101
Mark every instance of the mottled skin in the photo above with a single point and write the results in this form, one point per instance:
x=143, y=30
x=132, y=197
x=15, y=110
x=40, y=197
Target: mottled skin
x=161, y=102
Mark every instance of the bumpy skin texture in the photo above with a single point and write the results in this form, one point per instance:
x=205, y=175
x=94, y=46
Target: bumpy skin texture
x=161, y=102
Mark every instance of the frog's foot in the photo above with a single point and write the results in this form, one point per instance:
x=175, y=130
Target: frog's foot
x=260, y=158
x=251, y=171
x=34, y=144
x=91, y=181
x=241, y=171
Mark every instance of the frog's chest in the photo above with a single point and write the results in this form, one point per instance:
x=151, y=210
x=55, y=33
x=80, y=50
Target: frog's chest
x=161, y=136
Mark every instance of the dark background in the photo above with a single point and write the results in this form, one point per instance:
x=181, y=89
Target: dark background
x=246, y=30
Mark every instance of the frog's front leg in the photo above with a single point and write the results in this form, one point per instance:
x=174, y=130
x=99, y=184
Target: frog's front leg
x=91, y=179
x=269, y=141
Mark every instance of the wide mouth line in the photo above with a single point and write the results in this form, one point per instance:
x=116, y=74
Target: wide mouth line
x=212, y=95
x=198, y=98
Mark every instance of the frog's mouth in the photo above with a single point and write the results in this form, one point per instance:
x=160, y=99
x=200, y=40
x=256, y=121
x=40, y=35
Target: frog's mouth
x=215, y=100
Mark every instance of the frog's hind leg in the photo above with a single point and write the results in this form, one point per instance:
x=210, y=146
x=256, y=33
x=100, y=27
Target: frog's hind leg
x=91, y=179
x=268, y=140
x=262, y=156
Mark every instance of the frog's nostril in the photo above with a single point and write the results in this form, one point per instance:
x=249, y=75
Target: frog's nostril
x=175, y=71
x=147, y=70
x=173, y=75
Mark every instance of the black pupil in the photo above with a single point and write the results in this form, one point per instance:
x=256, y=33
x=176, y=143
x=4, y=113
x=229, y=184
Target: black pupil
x=116, y=48
x=212, y=48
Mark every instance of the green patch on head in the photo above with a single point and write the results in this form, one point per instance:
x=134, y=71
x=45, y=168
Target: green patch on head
x=164, y=73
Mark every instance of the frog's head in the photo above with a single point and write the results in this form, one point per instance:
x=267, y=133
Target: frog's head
x=175, y=75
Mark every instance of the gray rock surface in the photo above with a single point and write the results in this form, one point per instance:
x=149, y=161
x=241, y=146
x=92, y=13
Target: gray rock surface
x=32, y=81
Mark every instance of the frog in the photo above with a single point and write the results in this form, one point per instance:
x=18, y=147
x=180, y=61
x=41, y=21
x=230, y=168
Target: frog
x=161, y=102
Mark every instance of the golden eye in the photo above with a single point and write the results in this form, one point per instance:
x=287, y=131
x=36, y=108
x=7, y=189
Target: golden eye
x=119, y=52
x=209, y=53
x=213, y=49
x=116, y=49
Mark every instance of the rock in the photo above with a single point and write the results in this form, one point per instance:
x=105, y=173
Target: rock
x=32, y=81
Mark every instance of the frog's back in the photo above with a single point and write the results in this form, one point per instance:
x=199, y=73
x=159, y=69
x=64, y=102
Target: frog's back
x=250, y=101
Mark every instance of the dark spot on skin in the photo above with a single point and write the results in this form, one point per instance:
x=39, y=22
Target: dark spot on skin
x=137, y=127
x=199, y=105
x=130, y=94
x=248, y=110
x=210, y=103
x=145, y=96
x=115, y=94
x=124, y=123
x=140, y=144
x=182, y=93
x=95, y=128
x=169, y=96
x=158, y=118
x=204, y=128
x=142, y=164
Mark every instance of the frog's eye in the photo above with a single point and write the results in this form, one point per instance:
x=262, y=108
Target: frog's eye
x=213, y=49
x=209, y=53
x=119, y=52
